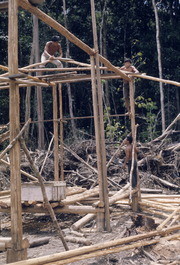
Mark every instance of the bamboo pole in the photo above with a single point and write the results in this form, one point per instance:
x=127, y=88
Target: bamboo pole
x=55, y=127
x=114, y=250
x=113, y=68
x=171, y=82
x=16, y=252
x=144, y=76
x=61, y=132
x=100, y=225
x=45, y=198
x=101, y=151
x=27, y=76
x=65, y=69
x=135, y=196
x=103, y=245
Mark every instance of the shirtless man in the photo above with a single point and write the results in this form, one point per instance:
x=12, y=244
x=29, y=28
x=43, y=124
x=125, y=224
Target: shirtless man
x=51, y=48
x=130, y=68
x=128, y=159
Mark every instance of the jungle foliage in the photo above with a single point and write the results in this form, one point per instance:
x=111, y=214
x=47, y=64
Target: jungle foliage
x=127, y=29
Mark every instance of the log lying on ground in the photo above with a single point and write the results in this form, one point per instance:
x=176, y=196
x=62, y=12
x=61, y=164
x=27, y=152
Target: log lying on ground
x=84, y=220
x=5, y=192
x=79, y=197
x=168, y=219
x=155, y=206
x=2, y=246
x=65, y=256
x=39, y=242
x=164, y=182
x=78, y=240
x=74, y=190
x=5, y=241
x=154, y=212
x=113, y=250
x=145, y=190
x=117, y=196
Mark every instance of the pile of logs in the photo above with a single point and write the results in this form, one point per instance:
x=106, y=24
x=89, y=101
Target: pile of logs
x=158, y=163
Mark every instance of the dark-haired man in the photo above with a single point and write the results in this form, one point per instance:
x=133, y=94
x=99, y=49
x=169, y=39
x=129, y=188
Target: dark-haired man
x=130, y=68
x=128, y=159
x=52, y=48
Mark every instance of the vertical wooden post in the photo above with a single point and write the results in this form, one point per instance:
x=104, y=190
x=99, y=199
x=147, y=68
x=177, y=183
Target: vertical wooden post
x=99, y=128
x=135, y=196
x=55, y=127
x=16, y=251
x=61, y=132
x=40, y=108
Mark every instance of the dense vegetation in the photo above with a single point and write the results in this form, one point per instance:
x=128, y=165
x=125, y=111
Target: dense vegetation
x=128, y=30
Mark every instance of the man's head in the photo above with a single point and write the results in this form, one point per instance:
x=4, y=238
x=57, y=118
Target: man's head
x=55, y=38
x=127, y=62
x=129, y=139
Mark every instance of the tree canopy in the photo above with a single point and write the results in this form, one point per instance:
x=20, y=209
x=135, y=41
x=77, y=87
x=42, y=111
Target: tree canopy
x=125, y=29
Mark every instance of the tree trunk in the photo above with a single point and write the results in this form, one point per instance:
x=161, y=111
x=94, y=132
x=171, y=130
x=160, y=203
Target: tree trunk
x=71, y=113
x=40, y=110
x=159, y=64
x=28, y=95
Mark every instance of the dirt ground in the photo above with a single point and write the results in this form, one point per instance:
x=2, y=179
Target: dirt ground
x=38, y=226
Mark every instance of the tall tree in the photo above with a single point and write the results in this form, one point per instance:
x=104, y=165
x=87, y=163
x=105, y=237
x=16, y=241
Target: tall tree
x=28, y=96
x=159, y=63
x=68, y=85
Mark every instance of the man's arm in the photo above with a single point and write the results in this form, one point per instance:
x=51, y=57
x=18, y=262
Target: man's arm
x=60, y=52
x=135, y=70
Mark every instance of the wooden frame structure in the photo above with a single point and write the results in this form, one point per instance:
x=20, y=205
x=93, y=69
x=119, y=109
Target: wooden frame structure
x=19, y=78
